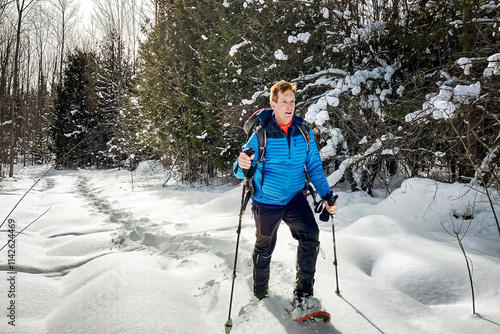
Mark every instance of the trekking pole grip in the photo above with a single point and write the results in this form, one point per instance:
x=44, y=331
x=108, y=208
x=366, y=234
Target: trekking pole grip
x=248, y=151
x=325, y=215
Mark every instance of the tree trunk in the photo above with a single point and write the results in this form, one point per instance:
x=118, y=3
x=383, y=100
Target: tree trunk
x=15, y=90
x=467, y=32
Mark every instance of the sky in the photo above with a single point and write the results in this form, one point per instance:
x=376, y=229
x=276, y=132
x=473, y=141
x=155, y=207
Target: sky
x=86, y=7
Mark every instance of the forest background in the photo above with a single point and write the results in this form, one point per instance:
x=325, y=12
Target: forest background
x=388, y=86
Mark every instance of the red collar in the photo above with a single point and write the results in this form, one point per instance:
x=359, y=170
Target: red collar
x=285, y=127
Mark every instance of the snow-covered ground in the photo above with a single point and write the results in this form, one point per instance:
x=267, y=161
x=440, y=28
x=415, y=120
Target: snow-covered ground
x=111, y=258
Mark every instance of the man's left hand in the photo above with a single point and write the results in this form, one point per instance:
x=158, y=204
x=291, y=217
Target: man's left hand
x=331, y=209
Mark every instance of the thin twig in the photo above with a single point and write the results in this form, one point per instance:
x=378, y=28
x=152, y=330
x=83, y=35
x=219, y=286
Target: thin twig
x=456, y=235
x=26, y=193
x=25, y=228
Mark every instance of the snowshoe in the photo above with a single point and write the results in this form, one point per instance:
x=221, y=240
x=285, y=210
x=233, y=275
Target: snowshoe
x=307, y=309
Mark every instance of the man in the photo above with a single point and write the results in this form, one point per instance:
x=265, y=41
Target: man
x=278, y=196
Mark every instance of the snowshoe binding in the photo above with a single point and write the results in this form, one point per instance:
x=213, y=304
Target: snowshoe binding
x=308, y=309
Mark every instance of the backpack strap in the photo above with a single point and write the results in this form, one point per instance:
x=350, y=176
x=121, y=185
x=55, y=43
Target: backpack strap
x=260, y=132
x=304, y=131
x=262, y=138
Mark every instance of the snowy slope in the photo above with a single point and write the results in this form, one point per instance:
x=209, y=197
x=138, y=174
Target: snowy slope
x=107, y=258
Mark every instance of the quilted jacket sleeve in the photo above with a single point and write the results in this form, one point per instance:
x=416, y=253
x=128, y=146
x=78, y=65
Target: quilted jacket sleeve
x=315, y=168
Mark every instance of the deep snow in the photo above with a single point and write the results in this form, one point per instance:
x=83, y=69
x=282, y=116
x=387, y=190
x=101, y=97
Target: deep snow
x=109, y=258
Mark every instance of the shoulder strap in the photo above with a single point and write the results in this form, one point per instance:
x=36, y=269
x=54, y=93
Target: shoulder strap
x=260, y=131
x=304, y=130
x=262, y=138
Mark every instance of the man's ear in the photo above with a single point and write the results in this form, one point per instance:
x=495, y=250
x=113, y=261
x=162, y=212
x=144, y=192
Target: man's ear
x=273, y=104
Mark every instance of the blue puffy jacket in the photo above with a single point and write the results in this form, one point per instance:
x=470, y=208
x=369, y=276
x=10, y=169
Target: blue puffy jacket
x=285, y=159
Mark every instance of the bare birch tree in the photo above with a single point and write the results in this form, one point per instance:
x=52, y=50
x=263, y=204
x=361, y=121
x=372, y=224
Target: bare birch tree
x=22, y=7
x=6, y=46
x=65, y=19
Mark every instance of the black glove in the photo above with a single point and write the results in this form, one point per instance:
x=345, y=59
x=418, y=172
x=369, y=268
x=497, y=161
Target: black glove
x=248, y=151
x=325, y=215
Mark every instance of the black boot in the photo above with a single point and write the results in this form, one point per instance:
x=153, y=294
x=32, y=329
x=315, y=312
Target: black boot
x=307, y=253
x=261, y=275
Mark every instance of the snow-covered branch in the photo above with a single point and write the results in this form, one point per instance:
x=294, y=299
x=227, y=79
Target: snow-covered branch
x=336, y=176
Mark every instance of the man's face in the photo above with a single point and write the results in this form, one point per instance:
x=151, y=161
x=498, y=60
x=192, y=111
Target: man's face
x=284, y=107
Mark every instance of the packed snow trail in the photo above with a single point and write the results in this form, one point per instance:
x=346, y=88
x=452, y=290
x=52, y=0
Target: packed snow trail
x=107, y=258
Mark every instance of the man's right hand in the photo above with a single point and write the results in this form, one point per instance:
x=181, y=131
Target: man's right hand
x=245, y=161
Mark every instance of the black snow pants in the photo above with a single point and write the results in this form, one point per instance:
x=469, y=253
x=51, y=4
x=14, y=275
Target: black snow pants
x=300, y=219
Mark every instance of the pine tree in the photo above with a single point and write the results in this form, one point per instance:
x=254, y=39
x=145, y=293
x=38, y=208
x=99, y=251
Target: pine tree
x=113, y=82
x=176, y=93
x=75, y=112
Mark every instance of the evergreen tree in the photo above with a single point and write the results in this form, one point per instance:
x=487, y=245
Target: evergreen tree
x=75, y=112
x=177, y=93
x=113, y=83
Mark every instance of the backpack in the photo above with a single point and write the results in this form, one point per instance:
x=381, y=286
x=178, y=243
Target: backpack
x=255, y=125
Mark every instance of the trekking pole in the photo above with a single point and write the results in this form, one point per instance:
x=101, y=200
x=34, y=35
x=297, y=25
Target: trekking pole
x=337, y=291
x=245, y=196
x=324, y=217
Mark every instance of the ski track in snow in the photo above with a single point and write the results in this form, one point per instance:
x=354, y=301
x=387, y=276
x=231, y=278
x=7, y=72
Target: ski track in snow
x=106, y=259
